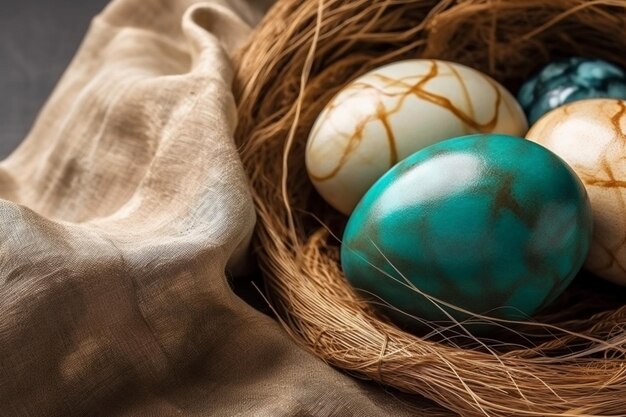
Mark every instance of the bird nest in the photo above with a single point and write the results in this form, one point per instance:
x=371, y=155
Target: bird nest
x=569, y=361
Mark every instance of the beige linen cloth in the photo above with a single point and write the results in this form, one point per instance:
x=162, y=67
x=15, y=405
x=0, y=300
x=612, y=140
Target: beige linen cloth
x=123, y=212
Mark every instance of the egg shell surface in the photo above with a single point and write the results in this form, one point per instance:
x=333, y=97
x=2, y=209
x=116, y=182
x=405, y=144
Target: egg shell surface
x=568, y=80
x=590, y=135
x=391, y=112
x=492, y=224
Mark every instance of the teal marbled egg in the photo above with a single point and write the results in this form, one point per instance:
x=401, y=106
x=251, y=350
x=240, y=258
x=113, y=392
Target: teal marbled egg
x=492, y=224
x=569, y=80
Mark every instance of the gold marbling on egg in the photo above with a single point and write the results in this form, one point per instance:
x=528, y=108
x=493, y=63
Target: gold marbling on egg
x=392, y=112
x=590, y=135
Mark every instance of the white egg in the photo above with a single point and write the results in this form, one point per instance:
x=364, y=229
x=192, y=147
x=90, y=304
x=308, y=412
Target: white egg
x=395, y=110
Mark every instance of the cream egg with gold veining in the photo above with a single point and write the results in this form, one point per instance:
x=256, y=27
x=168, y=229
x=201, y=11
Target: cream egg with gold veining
x=590, y=135
x=395, y=110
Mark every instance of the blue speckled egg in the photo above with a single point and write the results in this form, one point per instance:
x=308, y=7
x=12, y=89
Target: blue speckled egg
x=492, y=224
x=568, y=80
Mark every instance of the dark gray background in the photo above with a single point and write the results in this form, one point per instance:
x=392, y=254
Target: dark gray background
x=37, y=41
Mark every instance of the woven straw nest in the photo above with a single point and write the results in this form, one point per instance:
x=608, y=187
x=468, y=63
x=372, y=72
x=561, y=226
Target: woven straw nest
x=572, y=361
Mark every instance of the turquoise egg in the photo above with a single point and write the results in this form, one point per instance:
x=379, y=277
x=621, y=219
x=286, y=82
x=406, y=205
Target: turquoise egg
x=492, y=224
x=569, y=80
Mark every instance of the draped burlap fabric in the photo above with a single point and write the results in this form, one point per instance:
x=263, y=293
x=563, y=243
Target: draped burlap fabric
x=123, y=213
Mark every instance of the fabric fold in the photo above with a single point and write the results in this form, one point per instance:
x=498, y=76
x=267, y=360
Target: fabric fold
x=123, y=209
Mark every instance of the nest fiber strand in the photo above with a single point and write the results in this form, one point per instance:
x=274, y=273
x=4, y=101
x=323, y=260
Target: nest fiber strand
x=299, y=57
